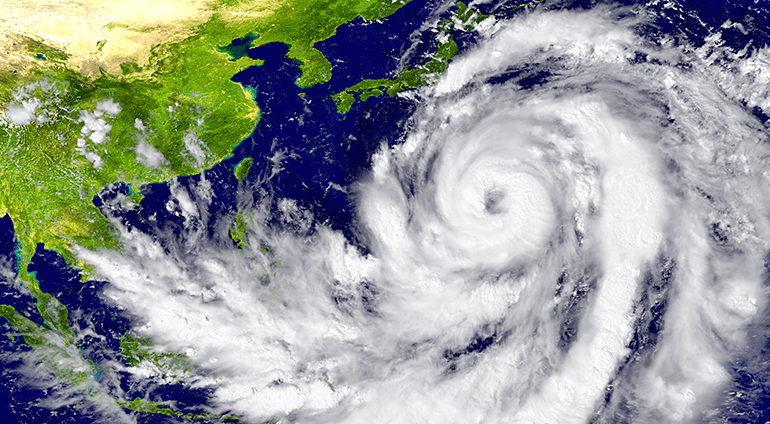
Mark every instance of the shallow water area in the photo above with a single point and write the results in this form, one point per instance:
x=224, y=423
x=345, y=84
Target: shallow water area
x=511, y=236
x=572, y=228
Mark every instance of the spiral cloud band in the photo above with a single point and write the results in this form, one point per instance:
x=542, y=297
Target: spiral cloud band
x=498, y=142
x=523, y=239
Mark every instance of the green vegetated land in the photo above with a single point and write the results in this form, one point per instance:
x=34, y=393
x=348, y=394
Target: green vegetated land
x=419, y=75
x=60, y=354
x=177, y=115
x=139, y=351
x=165, y=408
x=41, y=50
x=302, y=23
x=242, y=169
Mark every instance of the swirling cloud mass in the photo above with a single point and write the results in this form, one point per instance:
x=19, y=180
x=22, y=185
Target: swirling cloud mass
x=590, y=247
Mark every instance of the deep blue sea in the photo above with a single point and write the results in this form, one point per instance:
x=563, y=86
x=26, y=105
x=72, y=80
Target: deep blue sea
x=305, y=150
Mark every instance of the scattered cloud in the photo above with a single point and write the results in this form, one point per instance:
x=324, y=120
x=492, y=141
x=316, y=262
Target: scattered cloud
x=146, y=154
x=31, y=103
x=508, y=282
x=197, y=149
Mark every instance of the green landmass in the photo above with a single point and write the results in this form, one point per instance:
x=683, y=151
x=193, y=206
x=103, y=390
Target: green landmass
x=48, y=183
x=467, y=17
x=264, y=262
x=242, y=169
x=130, y=68
x=175, y=116
x=187, y=102
x=238, y=230
x=302, y=23
x=345, y=99
x=140, y=351
x=59, y=355
x=164, y=408
x=417, y=76
x=35, y=47
x=54, y=313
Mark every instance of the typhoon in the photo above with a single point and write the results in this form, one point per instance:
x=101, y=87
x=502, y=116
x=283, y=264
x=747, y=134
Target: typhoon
x=573, y=227
x=587, y=249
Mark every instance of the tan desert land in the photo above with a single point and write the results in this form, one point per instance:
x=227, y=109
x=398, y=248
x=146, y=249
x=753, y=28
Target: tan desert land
x=95, y=33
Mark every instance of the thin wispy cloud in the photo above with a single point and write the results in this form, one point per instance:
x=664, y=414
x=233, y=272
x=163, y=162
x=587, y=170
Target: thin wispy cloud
x=541, y=231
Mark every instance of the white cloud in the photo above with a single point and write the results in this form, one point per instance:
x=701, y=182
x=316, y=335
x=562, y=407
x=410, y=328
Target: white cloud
x=109, y=106
x=149, y=156
x=197, y=149
x=96, y=129
x=24, y=113
x=139, y=125
x=146, y=154
x=526, y=209
x=31, y=102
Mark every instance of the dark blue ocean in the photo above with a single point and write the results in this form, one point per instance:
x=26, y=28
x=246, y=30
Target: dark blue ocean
x=321, y=148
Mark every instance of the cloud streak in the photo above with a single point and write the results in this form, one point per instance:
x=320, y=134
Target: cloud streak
x=512, y=236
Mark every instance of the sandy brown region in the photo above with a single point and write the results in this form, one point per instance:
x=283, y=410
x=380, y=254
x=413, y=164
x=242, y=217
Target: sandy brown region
x=125, y=29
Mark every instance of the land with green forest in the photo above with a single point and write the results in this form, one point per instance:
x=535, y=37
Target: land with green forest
x=418, y=75
x=69, y=131
x=72, y=124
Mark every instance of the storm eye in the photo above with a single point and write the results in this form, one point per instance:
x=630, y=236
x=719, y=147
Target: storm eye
x=493, y=202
